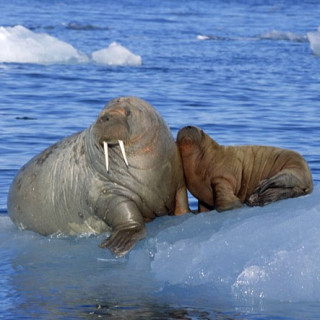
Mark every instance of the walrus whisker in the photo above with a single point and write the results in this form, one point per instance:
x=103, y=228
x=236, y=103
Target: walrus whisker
x=121, y=144
x=106, y=154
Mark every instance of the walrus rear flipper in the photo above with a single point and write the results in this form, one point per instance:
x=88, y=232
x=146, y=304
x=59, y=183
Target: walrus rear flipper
x=128, y=228
x=273, y=194
x=285, y=184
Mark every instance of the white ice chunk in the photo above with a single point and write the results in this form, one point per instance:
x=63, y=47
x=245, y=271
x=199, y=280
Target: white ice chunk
x=202, y=37
x=20, y=45
x=314, y=39
x=116, y=55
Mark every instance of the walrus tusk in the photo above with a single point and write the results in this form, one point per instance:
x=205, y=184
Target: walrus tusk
x=121, y=144
x=106, y=154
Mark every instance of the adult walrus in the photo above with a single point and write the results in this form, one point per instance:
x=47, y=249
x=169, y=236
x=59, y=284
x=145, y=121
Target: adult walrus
x=225, y=177
x=122, y=171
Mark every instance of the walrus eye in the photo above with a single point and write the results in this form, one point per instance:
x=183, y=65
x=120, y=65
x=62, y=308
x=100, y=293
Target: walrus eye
x=128, y=112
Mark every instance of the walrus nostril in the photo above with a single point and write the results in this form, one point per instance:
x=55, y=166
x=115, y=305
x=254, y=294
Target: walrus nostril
x=105, y=118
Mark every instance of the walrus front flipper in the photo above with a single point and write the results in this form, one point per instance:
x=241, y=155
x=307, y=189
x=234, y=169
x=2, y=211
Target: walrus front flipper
x=128, y=227
x=181, y=205
x=122, y=241
x=285, y=184
x=224, y=197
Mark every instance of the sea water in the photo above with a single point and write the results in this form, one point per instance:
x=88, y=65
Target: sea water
x=247, y=72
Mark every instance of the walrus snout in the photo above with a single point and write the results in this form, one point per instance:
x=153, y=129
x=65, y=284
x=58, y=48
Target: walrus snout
x=111, y=127
x=189, y=135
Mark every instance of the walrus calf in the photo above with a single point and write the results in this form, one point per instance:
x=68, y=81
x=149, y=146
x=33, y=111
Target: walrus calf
x=225, y=177
x=122, y=171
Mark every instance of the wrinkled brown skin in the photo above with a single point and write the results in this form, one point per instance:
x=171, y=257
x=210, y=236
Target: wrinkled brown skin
x=67, y=189
x=225, y=177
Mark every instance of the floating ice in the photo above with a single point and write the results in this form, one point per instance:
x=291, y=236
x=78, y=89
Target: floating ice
x=249, y=255
x=280, y=35
x=314, y=39
x=202, y=37
x=270, y=35
x=117, y=55
x=83, y=27
x=19, y=44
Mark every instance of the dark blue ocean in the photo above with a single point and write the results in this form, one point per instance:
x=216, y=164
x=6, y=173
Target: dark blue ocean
x=247, y=72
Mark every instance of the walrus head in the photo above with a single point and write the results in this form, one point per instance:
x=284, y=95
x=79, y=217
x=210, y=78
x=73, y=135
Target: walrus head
x=189, y=137
x=124, y=121
x=194, y=142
